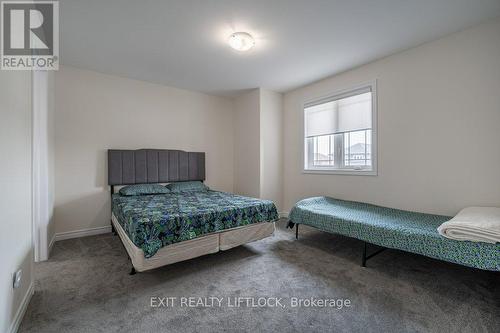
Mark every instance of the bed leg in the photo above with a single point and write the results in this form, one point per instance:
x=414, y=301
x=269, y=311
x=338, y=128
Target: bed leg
x=112, y=191
x=363, y=259
x=132, y=271
x=296, y=231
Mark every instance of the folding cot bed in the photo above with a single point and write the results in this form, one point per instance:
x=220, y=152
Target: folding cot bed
x=392, y=228
x=160, y=225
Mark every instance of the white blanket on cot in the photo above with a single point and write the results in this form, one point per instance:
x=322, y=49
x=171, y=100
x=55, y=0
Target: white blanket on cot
x=476, y=224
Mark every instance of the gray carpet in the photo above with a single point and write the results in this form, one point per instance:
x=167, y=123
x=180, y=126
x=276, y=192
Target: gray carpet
x=85, y=287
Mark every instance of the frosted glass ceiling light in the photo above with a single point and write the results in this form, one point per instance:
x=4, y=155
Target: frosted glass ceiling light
x=241, y=41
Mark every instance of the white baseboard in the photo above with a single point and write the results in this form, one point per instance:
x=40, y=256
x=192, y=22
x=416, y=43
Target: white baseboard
x=82, y=233
x=18, y=318
x=51, y=244
x=283, y=214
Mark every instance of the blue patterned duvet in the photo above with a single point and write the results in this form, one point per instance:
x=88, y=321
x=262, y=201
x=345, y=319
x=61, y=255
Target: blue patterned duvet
x=154, y=221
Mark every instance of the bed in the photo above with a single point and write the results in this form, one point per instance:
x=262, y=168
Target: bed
x=161, y=229
x=392, y=228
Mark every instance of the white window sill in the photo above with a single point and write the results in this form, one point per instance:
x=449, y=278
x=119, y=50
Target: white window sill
x=351, y=172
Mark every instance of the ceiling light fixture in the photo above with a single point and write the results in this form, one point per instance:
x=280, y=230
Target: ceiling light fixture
x=241, y=41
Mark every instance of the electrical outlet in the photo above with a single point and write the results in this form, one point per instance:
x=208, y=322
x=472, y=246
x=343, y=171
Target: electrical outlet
x=17, y=278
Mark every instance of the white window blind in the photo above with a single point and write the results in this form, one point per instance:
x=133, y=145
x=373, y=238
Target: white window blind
x=344, y=113
x=340, y=133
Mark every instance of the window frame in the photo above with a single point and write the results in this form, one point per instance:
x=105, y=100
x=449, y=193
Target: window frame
x=333, y=96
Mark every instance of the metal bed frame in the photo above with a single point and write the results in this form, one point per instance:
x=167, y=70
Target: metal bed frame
x=364, y=257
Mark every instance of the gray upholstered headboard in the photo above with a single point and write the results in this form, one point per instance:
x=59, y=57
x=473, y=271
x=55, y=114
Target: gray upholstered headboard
x=154, y=166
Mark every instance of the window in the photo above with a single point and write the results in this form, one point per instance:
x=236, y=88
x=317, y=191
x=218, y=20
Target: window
x=340, y=133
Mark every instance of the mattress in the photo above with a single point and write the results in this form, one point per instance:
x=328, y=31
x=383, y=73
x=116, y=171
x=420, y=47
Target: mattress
x=155, y=221
x=394, y=228
x=207, y=244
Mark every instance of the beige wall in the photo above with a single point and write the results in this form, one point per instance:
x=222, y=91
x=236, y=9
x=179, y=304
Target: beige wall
x=96, y=112
x=439, y=128
x=43, y=161
x=439, y=125
x=271, y=146
x=51, y=230
x=247, y=144
x=258, y=138
x=16, y=250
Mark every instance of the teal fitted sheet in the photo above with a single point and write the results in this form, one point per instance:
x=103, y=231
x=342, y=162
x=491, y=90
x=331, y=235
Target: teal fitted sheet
x=394, y=228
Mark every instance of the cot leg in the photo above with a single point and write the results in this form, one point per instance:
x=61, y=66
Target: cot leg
x=113, y=229
x=296, y=231
x=365, y=257
x=132, y=271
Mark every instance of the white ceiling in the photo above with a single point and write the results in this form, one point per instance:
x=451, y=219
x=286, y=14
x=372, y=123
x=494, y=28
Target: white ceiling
x=182, y=43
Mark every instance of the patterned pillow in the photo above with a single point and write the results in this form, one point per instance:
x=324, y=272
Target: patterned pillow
x=187, y=187
x=143, y=189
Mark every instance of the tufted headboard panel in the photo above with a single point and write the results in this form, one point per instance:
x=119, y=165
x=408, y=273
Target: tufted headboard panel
x=140, y=166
